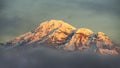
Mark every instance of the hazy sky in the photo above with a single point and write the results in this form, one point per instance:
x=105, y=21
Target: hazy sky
x=20, y=16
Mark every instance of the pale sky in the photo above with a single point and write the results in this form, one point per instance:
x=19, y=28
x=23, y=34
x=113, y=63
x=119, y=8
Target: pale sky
x=20, y=16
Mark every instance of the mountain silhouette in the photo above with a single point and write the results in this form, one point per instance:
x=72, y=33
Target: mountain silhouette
x=61, y=35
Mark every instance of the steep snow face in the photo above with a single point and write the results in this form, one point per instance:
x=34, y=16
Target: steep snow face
x=53, y=31
x=103, y=39
x=59, y=34
x=80, y=39
x=85, y=38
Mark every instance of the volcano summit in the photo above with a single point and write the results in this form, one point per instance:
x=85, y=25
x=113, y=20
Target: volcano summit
x=61, y=35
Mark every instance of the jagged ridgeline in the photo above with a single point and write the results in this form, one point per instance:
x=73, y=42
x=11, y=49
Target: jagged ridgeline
x=61, y=35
